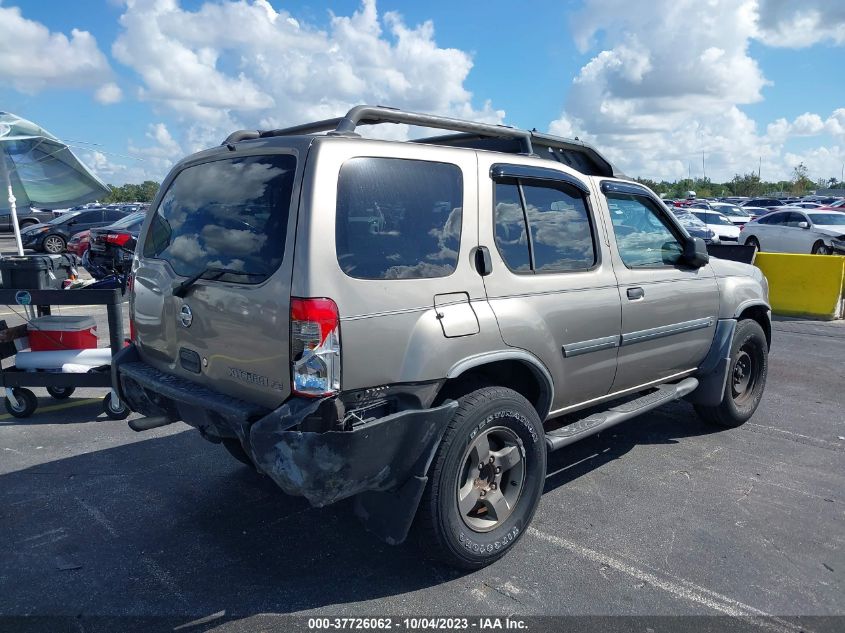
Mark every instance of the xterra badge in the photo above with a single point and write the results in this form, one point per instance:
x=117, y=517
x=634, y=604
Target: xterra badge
x=254, y=379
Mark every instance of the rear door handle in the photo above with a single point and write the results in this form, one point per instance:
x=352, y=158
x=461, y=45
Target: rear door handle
x=635, y=293
x=483, y=262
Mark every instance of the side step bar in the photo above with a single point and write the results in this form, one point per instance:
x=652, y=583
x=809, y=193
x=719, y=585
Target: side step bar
x=596, y=422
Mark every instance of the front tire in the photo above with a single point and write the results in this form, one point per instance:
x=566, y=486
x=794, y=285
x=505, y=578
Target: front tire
x=746, y=378
x=54, y=244
x=820, y=248
x=486, y=479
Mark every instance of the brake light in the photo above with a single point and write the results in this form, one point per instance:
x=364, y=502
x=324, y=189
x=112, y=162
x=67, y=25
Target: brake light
x=314, y=347
x=117, y=238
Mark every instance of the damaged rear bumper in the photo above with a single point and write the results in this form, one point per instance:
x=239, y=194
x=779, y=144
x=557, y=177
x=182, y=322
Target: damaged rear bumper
x=378, y=455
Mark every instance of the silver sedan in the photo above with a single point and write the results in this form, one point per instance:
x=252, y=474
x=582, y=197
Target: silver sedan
x=797, y=231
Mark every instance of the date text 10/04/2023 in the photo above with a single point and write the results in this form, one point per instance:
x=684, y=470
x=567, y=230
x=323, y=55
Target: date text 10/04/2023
x=418, y=624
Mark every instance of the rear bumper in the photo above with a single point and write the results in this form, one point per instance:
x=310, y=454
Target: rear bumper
x=378, y=455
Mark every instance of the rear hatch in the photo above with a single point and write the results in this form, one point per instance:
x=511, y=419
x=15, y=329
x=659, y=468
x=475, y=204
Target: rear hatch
x=211, y=291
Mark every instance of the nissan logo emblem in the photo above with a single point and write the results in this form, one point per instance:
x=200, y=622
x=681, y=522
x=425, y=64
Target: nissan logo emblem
x=186, y=316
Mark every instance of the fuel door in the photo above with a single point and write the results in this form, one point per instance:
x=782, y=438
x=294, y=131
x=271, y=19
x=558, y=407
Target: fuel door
x=456, y=315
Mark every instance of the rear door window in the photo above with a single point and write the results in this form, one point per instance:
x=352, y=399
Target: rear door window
x=398, y=219
x=227, y=214
x=559, y=236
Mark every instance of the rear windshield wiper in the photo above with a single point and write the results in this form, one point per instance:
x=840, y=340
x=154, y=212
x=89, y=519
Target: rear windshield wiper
x=210, y=273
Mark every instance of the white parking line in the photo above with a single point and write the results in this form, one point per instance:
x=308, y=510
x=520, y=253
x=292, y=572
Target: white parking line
x=676, y=586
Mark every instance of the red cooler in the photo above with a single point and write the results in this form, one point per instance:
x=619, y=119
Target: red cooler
x=51, y=333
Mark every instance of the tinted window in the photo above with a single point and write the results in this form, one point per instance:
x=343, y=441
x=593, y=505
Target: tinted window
x=129, y=221
x=642, y=233
x=111, y=216
x=560, y=230
x=87, y=217
x=511, y=237
x=792, y=219
x=398, y=219
x=229, y=213
x=775, y=218
x=561, y=237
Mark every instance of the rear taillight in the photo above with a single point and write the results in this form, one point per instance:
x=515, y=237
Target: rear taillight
x=117, y=238
x=314, y=347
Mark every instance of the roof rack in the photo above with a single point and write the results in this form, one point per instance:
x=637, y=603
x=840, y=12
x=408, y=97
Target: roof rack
x=503, y=138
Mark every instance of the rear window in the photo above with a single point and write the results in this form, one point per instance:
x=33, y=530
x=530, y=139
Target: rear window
x=228, y=214
x=130, y=221
x=398, y=219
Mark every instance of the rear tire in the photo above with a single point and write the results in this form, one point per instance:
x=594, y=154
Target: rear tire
x=746, y=378
x=752, y=241
x=486, y=479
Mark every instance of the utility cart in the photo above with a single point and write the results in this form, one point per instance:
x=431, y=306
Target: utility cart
x=20, y=401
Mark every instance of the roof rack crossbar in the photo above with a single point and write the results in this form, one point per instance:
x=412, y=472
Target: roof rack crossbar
x=373, y=115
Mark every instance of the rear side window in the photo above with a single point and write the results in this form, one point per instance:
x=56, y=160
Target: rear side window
x=559, y=236
x=228, y=214
x=398, y=219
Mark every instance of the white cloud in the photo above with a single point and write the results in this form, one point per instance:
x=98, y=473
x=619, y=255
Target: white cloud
x=33, y=58
x=664, y=98
x=109, y=94
x=792, y=24
x=150, y=161
x=275, y=70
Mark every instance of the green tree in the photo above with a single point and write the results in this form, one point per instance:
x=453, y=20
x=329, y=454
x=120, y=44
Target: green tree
x=801, y=182
x=145, y=192
x=746, y=185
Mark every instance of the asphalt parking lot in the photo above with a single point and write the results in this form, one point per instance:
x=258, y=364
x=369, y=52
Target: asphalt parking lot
x=662, y=515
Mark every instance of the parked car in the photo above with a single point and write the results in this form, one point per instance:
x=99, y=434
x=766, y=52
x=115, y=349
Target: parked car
x=724, y=229
x=755, y=212
x=838, y=204
x=736, y=214
x=52, y=237
x=79, y=243
x=766, y=203
x=694, y=226
x=27, y=216
x=111, y=245
x=406, y=322
x=805, y=205
x=796, y=231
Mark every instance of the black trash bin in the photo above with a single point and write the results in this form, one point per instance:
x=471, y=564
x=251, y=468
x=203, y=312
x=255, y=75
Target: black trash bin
x=37, y=272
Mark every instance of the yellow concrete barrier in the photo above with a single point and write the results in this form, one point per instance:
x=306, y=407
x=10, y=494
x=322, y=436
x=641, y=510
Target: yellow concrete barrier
x=804, y=285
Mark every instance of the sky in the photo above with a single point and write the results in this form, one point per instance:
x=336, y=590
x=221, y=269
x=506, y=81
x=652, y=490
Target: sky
x=664, y=88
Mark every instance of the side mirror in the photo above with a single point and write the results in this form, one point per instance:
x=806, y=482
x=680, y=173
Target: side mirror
x=695, y=252
x=803, y=225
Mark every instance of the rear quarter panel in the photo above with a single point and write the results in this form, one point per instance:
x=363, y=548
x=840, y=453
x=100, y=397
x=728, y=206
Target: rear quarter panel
x=390, y=332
